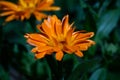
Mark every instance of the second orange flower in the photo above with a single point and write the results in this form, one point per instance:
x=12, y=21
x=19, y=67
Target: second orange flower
x=25, y=8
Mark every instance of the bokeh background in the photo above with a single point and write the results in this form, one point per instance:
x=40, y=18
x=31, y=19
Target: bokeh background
x=100, y=62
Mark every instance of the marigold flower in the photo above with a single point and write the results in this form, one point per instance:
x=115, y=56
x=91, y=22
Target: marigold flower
x=59, y=37
x=25, y=8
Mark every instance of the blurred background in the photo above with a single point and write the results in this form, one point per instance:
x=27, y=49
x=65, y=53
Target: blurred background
x=100, y=62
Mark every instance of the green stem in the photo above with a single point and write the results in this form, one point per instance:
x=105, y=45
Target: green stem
x=56, y=68
x=60, y=70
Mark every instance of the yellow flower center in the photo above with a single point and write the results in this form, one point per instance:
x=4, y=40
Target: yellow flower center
x=58, y=43
x=27, y=5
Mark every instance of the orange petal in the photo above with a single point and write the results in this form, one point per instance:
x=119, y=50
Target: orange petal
x=69, y=35
x=39, y=15
x=85, y=35
x=91, y=42
x=68, y=49
x=59, y=55
x=44, y=48
x=35, y=43
x=53, y=8
x=22, y=3
x=82, y=37
x=46, y=27
x=9, y=5
x=83, y=47
x=26, y=14
x=34, y=50
x=55, y=25
x=40, y=55
x=36, y=37
x=53, y=19
x=41, y=49
x=38, y=27
x=7, y=13
x=65, y=24
x=10, y=18
x=85, y=43
x=22, y=17
x=58, y=28
x=44, y=3
x=36, y=1
x=79, y=53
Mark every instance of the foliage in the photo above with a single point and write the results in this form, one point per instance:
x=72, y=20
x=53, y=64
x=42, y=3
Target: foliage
x=100, y=62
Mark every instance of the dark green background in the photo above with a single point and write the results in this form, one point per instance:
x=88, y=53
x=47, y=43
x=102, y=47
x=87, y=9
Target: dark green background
x=100, y=62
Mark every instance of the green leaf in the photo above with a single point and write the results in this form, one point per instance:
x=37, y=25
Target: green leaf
x=14, y=32
x=99, y=74
x=113, y=76
x=69, y=63
x=14, y=26
x=81, y=69
x=84, y=77
x=3, y=75
x=41, y=70
x=107, y=23
x=111, y=48
x=104, y=6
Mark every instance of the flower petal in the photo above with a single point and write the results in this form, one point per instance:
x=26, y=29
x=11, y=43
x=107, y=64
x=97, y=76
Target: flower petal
x=59, y=55
x=44, y=48
x=7, y=13
x=10, y=18
x=37, y=37
x=39, y=15
x=85, y=35
x=54, y=8
x=79, y=53
x=9, y=5
x=40, y=55
x=22, y=3
x=35, y=43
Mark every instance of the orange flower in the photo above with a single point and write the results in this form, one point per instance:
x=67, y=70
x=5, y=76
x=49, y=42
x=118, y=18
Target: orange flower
x=59, y=37
x=25, y=8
